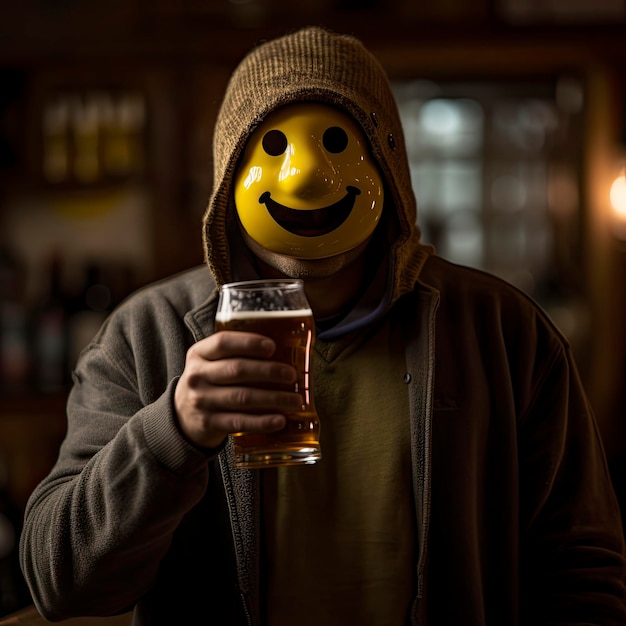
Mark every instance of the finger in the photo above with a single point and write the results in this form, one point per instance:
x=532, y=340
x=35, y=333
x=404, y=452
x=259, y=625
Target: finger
x=230, y=423
x=248, y=400
x=229, y=343
x=209, y=431
x=242, y=371
x=200, y=373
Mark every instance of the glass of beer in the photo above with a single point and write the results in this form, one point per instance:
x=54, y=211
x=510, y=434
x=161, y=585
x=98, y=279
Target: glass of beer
x=278, y=309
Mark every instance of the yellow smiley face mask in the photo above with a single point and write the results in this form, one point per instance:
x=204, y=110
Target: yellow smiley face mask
x=307, y=186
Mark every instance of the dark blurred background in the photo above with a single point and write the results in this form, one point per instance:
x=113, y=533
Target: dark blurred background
x=514, y=113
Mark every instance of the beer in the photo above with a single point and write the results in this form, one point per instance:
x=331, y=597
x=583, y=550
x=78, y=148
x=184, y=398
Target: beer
x=293, y=331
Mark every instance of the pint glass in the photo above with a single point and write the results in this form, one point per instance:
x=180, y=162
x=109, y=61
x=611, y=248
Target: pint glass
x=277, y=309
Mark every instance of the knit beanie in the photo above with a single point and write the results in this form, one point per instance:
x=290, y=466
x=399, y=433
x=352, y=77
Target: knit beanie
x=309, y=65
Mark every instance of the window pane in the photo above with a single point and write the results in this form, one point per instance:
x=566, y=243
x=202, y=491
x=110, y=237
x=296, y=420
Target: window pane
x=444, y=187
x=447, y=126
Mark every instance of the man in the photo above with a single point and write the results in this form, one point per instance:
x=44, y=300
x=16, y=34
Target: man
x=462, y=478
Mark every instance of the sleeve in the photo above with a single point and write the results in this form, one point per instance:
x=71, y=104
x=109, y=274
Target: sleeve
x=572, y=543
x=123, y=480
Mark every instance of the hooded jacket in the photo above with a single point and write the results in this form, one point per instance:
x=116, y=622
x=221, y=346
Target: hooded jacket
x=516, y=520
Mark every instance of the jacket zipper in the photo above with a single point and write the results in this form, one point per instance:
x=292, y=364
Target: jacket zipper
x=420, y=350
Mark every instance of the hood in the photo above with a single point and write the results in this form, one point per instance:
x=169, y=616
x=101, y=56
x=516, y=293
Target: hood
x=314, y=65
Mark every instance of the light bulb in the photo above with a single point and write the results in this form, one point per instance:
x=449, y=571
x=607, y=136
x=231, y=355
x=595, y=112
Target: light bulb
x=618, y=195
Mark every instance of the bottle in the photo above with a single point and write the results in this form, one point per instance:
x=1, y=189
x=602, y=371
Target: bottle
x=89, y=311
x=15, y=361
x=56, y=141
x=50, y=332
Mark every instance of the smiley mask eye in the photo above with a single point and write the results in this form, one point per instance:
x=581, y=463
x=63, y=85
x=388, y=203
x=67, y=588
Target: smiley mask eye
x=335, y=139
x=274, y=142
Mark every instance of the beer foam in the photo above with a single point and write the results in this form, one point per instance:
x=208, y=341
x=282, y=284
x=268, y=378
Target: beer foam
x=227, y=316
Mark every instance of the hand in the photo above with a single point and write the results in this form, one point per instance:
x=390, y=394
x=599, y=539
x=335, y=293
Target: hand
x=220, y=390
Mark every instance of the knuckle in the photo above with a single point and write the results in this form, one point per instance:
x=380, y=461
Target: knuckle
x=219, y=340
x=197, y=400
x=193, y=380
x=241, y=397
x=194, y=373
x=235, y=369
x=193, y=354
x=238, y=424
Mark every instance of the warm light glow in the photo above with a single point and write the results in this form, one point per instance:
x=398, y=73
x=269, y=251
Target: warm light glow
x=618, y=196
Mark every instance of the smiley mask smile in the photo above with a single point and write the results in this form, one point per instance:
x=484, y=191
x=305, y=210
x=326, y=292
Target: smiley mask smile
x=313, y=222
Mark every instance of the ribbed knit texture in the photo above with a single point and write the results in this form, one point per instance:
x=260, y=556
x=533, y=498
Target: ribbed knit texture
x=311, y=64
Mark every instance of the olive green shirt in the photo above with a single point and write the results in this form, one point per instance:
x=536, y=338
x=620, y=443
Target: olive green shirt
x=340, y=534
